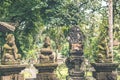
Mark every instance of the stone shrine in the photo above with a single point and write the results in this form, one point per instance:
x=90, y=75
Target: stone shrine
x=10, y=52
x=4, y=29
x=76, y=58
x=46, y=62
x=104, y=67
x=46, y=54
x=10, y=64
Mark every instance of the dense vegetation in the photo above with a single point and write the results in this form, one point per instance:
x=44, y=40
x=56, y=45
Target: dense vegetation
x=37, y=18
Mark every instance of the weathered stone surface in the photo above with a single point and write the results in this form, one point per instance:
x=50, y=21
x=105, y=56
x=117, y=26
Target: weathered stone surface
x=46, y=76
x=101, y=67
x=49, y=67
x=75, y=78
x=46, y=71
x=105, y=71
x=10, y=51
x=8, y=77
x=11, y=72
x=105, y=75
x=76, y=58
x=31, y=79
x=12, y=77
x=46, y=62
x=104, y=65
x=46, y=54
x=5, y=27
x=104, y=53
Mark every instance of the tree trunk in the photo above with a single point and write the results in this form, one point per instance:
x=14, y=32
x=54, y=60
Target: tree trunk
x=110, y=6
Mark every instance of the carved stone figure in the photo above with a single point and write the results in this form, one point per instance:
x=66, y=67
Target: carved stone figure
x=105, y=68
x=75, y=59
x=103, y=51
x=46, y=62
x=10, y=51
x=46, y=54
x=75, y=38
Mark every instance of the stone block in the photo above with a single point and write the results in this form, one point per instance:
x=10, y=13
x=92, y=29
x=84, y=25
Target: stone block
x=11, y=72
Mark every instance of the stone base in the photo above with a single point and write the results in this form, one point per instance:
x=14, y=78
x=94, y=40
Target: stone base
x=76, y=73
x=105, y=75
x=105, y=71
x=10, y=62
x=46, y=71
x=11, y=72
x=74, y=68
x=46, y=76
x=74, y=78
x=46, y=60
x=12, y=77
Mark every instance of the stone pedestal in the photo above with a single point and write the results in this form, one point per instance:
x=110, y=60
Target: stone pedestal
x=46, y=71
x=11, y=72
x=74, y=68
x=105, y=71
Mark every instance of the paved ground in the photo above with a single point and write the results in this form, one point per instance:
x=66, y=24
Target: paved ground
x=30, y=72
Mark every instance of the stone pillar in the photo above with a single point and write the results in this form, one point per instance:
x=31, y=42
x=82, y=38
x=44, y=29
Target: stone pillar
x=46, y=62
x=11, y=72
x=76, y=58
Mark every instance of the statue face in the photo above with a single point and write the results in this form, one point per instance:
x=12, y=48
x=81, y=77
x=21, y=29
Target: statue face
x=47, y=42
x=10, y=39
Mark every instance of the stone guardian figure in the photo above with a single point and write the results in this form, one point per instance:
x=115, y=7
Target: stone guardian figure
x=10, y=51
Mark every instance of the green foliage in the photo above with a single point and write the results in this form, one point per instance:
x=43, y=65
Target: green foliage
x=27, y=18
x=62, y=72
x=65, y=49
x=54, y=17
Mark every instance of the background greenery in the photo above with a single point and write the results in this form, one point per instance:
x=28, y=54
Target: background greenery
x=35, y=19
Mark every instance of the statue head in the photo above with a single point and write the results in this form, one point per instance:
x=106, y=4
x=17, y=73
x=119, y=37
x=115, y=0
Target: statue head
x=46, y=42
x=75, y=38
x=10, y=39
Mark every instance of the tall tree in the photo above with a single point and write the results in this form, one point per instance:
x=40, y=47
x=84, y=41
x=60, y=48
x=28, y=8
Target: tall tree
x=110, y=6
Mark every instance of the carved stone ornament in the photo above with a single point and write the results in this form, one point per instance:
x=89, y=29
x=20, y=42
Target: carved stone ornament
x=10, y=51
x=46, y=53
x=76, y=58
x=46, y=62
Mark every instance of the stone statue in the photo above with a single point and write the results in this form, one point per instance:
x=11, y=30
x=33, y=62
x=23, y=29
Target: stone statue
x=75, y=38
x=76, y=56
x=46, y=62
x=46, y=54
x=10, y=51
x=103, y=51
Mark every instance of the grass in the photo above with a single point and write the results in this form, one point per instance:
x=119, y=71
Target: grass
x=62, y=72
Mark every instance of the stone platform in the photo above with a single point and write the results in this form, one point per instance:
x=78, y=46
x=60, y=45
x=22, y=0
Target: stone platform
x=11, y=72
x=105, y=71
x=46, y=71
